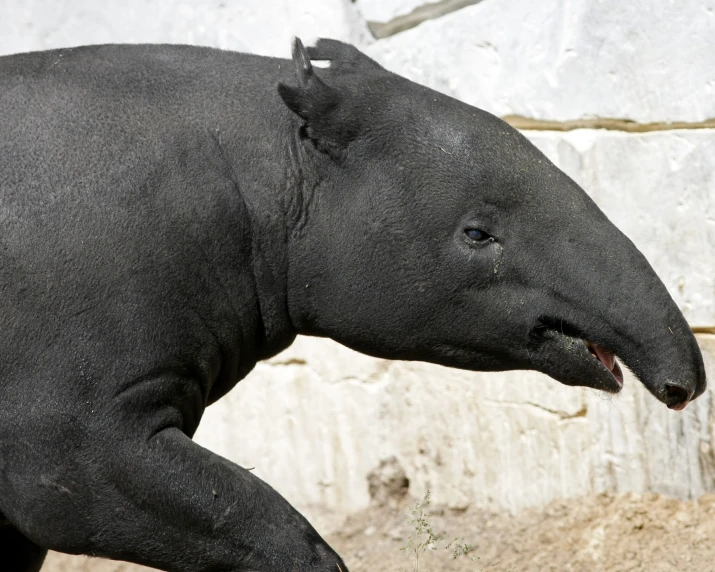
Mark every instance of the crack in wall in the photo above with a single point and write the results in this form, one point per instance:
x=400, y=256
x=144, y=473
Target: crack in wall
x=287, y=362
x=419, y=15
x=608, y=123
x=561, y=415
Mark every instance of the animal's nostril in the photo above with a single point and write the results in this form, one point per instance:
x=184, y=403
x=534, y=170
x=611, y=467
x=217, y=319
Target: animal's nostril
x=676, y=397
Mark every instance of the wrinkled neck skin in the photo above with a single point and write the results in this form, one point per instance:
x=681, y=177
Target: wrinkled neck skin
x=275, y=229
x=252, y=143
x=278, y=208
x=264, y=182
x=282, y=221
x=309, y=173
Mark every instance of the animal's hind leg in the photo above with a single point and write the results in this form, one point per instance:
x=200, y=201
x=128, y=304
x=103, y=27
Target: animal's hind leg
x=19, y=554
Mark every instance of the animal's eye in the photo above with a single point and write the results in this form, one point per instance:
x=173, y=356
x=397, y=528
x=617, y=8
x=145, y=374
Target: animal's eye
x=476, y=235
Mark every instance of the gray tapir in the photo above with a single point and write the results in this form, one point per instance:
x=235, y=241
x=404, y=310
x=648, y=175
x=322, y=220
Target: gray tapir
x=171, y=215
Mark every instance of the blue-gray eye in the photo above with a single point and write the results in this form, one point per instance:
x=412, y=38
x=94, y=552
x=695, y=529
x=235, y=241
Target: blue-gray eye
x=477, y=235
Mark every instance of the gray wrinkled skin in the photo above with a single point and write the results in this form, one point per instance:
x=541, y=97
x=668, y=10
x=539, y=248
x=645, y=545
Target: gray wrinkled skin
x=170, y=215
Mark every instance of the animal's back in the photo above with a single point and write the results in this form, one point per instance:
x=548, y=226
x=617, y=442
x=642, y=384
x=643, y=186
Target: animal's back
x=67, y=114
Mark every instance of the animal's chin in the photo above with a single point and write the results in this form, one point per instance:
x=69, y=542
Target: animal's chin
x=574, y=360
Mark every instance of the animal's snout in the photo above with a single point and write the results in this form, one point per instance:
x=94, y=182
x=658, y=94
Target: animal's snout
x=677, y=397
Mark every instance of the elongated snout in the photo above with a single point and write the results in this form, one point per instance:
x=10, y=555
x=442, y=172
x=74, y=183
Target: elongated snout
x=646, y=330
x=612, y=299
x=659, y=345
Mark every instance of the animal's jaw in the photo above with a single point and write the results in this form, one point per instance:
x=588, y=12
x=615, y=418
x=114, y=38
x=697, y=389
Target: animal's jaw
x=570, y=357
x=574, y=360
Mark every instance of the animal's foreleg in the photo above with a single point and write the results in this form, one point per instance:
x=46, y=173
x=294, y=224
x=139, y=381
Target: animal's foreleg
x=175, y=506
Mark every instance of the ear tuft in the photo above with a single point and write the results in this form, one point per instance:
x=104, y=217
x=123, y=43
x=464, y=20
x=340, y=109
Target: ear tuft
x=341, y=55
x=312, y=98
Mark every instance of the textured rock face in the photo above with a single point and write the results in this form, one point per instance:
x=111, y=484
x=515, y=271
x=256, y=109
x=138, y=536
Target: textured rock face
x=566, y=60
x=379, y=11
x=318, y=420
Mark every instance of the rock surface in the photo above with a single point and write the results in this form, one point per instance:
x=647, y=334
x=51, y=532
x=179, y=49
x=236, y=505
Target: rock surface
x=562, y=60
x=259, y=26
x=384, y=11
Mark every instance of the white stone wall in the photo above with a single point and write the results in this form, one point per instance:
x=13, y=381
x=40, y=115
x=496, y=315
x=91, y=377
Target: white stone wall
x=259, y=26
x=317, y=419
x=645, y=60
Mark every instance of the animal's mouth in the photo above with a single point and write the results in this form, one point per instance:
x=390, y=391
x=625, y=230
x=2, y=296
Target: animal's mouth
x=564, y=351
x=571, y=358
x=567, y=353
x=607, y=359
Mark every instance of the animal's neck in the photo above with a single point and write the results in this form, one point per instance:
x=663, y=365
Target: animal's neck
x=269, y=185
x=255, y=135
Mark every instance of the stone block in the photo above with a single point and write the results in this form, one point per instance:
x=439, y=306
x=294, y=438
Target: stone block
x=567, y=60
x=259, y=26
x=386, y=10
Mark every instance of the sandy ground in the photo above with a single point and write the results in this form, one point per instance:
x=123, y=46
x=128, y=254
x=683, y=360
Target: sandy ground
x=614, y=533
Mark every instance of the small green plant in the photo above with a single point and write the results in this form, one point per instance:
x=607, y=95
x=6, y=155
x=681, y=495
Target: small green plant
x=425, y=538
x=458, y=547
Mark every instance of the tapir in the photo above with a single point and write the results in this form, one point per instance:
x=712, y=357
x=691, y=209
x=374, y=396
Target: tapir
x=171, y=215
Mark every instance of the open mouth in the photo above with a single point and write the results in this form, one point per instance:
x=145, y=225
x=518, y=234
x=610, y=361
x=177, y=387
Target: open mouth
x=563, y=351
x=574, y=359
x=607, y=359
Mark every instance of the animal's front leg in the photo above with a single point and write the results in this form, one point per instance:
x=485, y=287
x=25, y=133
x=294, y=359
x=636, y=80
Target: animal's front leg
x=163, y=501
x=179, y=507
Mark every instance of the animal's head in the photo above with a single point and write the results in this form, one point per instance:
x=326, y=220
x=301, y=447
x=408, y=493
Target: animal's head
x=434, y=231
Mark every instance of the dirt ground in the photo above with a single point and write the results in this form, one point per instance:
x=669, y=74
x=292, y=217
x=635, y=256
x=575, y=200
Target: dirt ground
x=614, y=533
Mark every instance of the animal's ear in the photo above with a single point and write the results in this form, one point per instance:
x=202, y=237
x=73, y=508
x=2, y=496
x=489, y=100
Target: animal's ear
x=327, y=121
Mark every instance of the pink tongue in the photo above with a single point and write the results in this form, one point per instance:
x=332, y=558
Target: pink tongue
x=604, y=356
